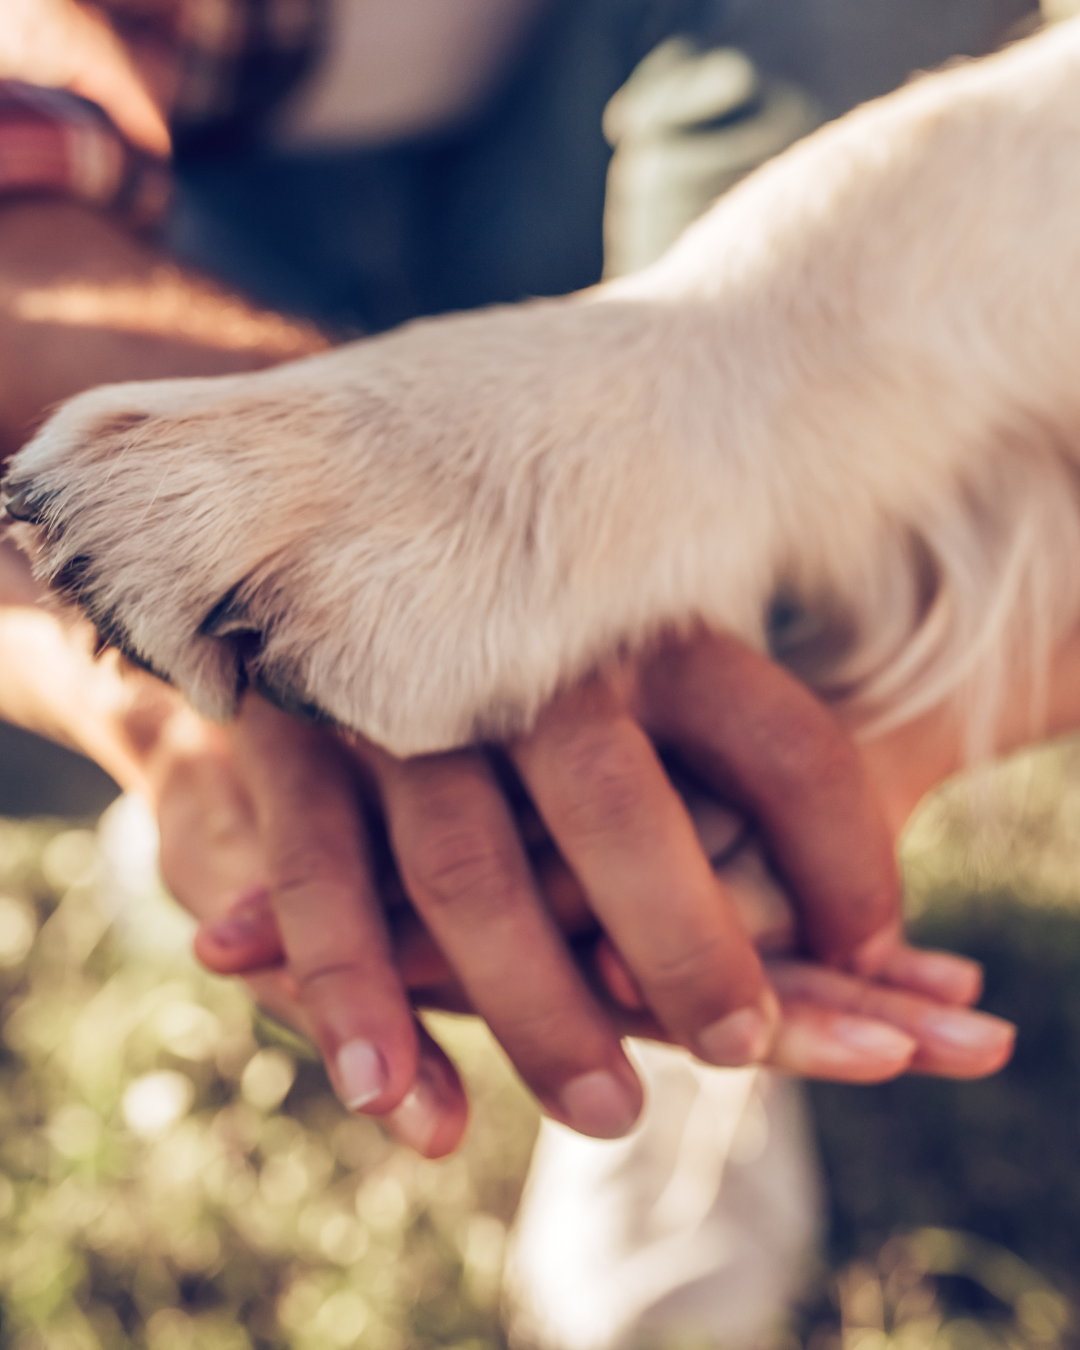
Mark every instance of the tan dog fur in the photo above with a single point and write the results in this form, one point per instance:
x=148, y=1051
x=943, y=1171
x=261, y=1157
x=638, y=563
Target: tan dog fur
x=854, y=386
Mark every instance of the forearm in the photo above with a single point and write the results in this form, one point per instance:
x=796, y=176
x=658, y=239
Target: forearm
x=83, y=303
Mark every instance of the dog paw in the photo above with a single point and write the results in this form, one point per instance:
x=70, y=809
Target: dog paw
x=93, y=499
x=420, y=537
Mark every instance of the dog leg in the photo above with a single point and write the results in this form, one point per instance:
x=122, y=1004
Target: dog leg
x=844, y=404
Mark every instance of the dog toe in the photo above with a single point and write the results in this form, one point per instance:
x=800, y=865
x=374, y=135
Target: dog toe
x=23, y=503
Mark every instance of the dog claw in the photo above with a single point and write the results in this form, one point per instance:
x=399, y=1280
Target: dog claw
x=227, y=617
x=24, y=506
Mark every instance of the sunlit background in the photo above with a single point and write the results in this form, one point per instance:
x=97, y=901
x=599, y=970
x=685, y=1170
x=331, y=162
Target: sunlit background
x=174, y=1174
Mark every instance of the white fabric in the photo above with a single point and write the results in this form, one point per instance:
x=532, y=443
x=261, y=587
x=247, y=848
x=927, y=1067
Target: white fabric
x=702, y=1223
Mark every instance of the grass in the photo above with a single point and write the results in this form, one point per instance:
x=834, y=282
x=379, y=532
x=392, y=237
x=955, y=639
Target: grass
x=992, y=871
x=175, y=1176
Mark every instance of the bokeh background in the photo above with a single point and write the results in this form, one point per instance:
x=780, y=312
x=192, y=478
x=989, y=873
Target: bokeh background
x=175, y=1174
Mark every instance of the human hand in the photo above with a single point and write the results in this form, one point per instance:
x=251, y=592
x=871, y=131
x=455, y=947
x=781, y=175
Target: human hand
x=832, y=1026
x=465, y=869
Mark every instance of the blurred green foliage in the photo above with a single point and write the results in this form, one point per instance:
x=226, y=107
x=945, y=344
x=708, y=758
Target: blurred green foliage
x=175, y=1175
x=993, y=870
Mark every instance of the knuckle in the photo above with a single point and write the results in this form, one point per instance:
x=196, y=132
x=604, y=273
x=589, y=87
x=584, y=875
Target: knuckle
x=464, y=865
x=681, y=970
x=547, y=1029
x=303, y=865
x=314, y=975
x=696, y=982
x=604, y=780
x=550, y=1043
x=807, y=751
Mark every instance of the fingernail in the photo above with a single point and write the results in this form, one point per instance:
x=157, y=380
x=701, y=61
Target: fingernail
x=872, y=1038
x=967, y=1030
x=245, y=920
x=742, y=1037
x=855, y=1047
x=598, y=1104
x=416, y=1117
x=362, y=1073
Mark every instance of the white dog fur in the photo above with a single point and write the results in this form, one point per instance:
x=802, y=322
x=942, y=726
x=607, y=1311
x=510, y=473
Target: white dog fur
x=853, y=387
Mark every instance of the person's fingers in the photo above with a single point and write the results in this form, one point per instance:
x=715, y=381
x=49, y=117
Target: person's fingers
x=433, y=1115
x=463, y=867
x=820, y=1036
x=331, y=924
x=817, y=1042
x=813, y=1040
x=943, y=976
x=757, y=736
x=846, y=1028
x=629, y=840
x=209, y=849
x=244, y=939
x=950, y=1041
x=735, y=852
